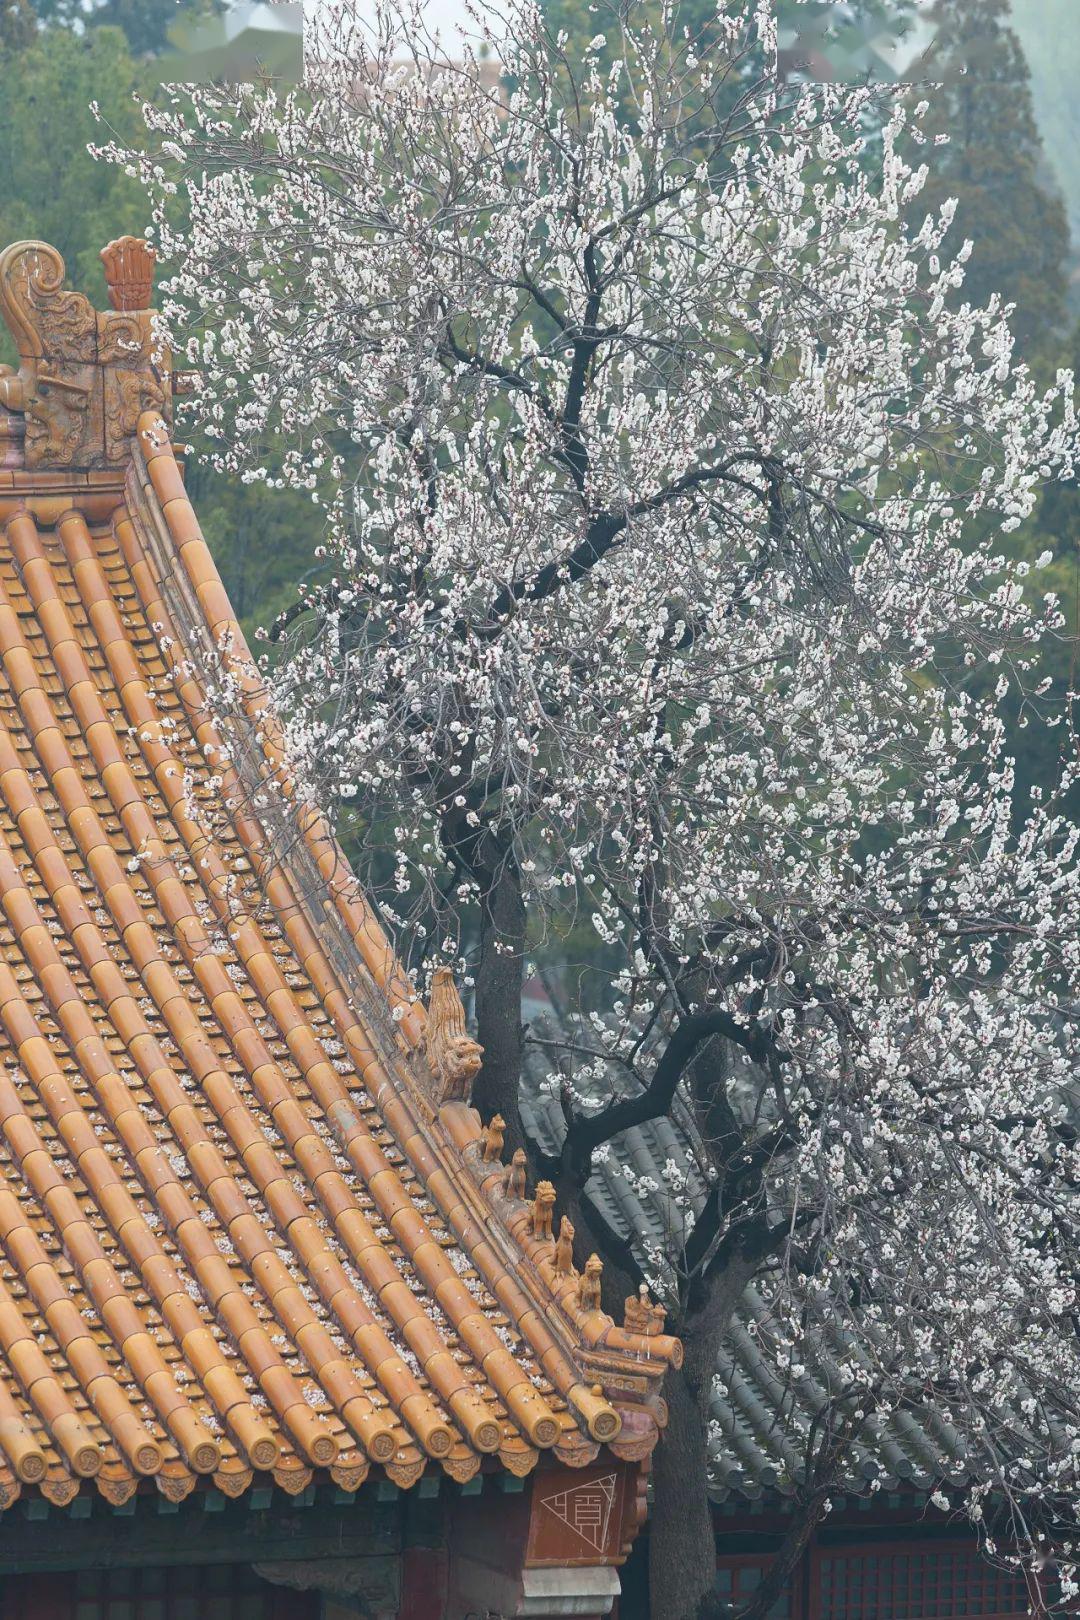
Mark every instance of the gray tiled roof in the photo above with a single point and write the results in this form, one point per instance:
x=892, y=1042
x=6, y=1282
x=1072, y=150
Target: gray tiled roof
x=760, y=1410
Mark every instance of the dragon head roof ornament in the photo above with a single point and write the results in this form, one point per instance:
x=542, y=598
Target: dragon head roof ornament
x=85, y=376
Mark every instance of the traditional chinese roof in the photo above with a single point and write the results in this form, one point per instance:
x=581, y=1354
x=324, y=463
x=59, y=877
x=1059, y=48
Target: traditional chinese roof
x=242, y=1231
x=761, y=1408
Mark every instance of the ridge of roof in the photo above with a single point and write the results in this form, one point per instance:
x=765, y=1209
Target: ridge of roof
x=249, y=1222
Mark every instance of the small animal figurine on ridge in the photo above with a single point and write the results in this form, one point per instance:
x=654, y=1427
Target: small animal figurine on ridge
x=642, y=1316
x=590, y=1283
x=452, y=1054
x=492, y=1147
x=514, y=1180
x=564, y=1249
x=543, y=1210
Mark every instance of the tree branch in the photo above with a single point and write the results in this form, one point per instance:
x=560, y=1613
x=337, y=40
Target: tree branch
x=692, y=1033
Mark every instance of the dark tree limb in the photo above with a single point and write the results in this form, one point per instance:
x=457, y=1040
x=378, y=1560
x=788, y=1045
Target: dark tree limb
x=587, y=1134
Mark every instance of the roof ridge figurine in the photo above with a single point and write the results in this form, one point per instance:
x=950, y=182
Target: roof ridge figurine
x=453, y=1056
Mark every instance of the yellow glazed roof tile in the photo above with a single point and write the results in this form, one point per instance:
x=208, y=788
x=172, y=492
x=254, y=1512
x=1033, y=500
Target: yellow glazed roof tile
x=242, y=1231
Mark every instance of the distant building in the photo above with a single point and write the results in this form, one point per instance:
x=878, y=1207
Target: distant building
x=251, y=37
x=839, y=43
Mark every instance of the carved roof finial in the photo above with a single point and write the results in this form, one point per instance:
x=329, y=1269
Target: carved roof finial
x=129, y=272
x=642, y=1315
x=514, y=1179
x=85, y=376
x=564, y=1248
x=453, y=1055
x=543, y=1210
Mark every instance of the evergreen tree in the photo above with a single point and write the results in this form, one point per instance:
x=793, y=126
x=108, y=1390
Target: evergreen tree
x=50, y=186
x=993, y=166
x=145, y=23
x=18, y=25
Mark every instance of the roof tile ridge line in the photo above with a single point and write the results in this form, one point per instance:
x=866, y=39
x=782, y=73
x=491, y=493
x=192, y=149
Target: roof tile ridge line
x=371, y=1429
x=529, y=1320
x=175, y=1414
x=296, y=1416
x=529, y=1410
x=290, y=913
x=227, y=639
x=568, y=1376
x=596, y=1330
x=536, y=1422
x=203, y=578
x=447, y=1378
x=454, y=1191
x=478, y=1420
x=52, y=1406
x=572, y=1372
x=254, y=1436
x=508, y=1278
x=436, y=1437
x=474, y=1227
x=104, y=1394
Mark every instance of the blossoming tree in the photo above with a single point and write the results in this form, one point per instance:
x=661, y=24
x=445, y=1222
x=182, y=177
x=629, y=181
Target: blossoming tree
x=668, y=593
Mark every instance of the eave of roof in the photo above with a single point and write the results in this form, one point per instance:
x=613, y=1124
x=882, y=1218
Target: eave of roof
x=240, y=1233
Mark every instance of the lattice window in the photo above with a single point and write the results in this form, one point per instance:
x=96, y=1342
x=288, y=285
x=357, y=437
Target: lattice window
x=928, y=1583
x=737, y=1579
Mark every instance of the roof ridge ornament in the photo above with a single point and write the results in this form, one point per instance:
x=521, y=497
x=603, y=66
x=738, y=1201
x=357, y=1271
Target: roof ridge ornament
x=85, y=376
x=129, y=272
x=452, y=1054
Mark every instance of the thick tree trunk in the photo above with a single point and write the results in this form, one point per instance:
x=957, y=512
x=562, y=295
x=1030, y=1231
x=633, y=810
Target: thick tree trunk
x=682, y=1547
x=500, y=977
